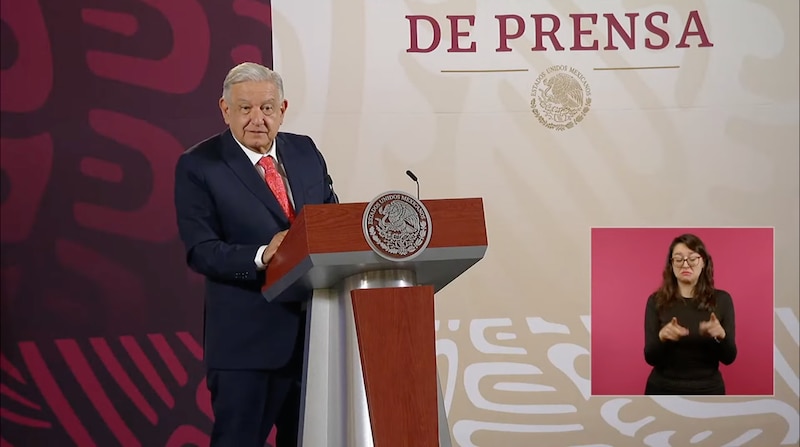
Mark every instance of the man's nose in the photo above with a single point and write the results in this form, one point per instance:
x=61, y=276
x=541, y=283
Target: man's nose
x=258, y=118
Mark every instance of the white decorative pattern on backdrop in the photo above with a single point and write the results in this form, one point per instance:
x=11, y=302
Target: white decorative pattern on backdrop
x=708, y=139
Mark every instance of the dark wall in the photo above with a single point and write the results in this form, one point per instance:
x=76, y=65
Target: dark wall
x=101, y=319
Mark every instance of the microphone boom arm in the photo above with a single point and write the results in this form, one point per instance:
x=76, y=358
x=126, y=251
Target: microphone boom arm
x=415, y=179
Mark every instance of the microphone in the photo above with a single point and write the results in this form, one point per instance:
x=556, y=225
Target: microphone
x=414, y=177
x=329, y=180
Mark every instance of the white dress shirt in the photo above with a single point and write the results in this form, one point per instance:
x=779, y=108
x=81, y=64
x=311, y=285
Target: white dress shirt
x=254, y=157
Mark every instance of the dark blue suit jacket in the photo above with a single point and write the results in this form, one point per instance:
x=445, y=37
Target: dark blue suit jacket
x=225, y=213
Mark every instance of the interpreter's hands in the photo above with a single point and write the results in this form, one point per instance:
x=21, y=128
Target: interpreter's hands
x=672, y=331
x=712, y=328
x=269, y=252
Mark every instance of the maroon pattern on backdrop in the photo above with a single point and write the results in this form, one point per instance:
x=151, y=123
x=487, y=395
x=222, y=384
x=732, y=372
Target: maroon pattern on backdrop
x=101, y=319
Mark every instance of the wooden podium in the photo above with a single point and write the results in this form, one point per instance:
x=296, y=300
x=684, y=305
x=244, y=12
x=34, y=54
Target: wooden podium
x=370, y=377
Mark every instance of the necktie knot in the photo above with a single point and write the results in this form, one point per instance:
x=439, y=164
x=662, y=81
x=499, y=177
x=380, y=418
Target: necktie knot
x=267, y=163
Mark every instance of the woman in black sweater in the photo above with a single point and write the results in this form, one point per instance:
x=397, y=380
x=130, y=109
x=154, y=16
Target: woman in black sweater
x=689, y=326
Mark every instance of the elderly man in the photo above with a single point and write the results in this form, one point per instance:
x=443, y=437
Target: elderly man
x=236, y=194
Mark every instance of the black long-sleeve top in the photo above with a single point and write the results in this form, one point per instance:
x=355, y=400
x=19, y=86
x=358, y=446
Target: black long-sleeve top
x=690, y=364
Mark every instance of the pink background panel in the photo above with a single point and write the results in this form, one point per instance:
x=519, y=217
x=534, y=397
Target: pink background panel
x=626, y=268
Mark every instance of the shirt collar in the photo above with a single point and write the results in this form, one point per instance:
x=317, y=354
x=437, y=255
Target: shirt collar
x=255, y=156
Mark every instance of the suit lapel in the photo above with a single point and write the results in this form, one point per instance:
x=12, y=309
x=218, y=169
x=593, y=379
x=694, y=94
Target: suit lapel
x=240, y=165
x=293, y=165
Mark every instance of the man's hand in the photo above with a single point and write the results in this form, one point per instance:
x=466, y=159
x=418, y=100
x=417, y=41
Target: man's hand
x=269, y=252
x=672, y=331
x=712, y=328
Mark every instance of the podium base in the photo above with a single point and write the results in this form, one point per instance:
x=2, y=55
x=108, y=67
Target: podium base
x=335, y=409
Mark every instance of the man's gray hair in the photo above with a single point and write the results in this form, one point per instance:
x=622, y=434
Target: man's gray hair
x=250, y=71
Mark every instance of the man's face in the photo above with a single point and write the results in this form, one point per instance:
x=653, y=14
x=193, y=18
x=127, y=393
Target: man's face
x=254, y=113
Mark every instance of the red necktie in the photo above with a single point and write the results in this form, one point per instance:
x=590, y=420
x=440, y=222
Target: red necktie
x=275, y=183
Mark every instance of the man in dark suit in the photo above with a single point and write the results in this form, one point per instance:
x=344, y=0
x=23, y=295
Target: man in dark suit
x=236, y=194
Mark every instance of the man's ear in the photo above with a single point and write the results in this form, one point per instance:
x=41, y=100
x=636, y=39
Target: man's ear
x=223, y=107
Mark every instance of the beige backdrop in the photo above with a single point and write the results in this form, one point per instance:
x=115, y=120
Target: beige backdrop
x=712, y=141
